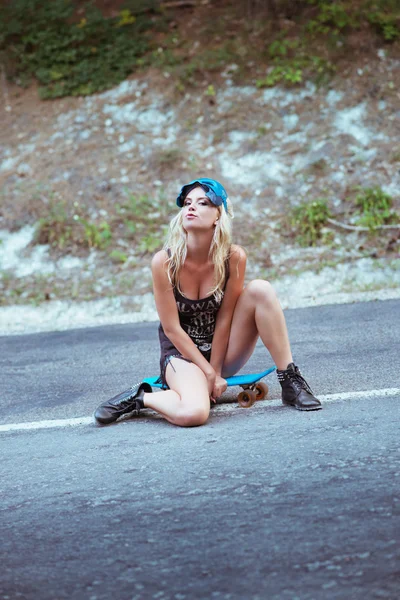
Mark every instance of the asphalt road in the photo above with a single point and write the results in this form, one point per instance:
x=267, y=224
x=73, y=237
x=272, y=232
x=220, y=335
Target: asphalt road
x=263, y=503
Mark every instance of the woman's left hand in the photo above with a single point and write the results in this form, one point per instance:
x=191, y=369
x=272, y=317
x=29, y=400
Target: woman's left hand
x=220, y=386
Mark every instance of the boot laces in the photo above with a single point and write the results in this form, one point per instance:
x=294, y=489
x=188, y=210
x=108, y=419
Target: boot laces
x=298, y=381
x=130, y=400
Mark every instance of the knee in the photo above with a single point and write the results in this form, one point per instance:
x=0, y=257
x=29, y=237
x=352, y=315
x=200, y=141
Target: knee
x=193, y=416
x=262, y=290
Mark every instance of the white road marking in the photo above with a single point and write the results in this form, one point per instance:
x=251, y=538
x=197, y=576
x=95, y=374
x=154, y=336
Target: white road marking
x=47, y=424
x=386, y=392
x=362, y=394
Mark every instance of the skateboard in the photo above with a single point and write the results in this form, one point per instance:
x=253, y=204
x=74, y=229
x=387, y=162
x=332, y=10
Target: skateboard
x=253, y=388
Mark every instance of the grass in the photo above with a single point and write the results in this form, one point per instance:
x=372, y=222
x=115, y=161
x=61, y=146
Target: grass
x=70, y=229
x=67, y=228
x=370, y=207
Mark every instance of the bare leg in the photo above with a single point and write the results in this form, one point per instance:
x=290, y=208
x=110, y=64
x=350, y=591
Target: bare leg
x=257, y=313
x=187, y=402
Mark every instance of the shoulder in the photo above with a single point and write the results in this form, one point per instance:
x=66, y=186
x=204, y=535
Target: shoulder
x=237, y=263
x=237, y=255
x=159, y=271
x=159, y=260
x=159, y=267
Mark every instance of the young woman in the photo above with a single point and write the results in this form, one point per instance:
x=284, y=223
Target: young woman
x=210, y=322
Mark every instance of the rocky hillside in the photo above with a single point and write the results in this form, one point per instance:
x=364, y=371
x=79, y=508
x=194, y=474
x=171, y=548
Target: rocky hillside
x=88, y=184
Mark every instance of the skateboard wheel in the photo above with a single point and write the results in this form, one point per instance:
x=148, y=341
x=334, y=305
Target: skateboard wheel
x=261, y=390
x=247, y=398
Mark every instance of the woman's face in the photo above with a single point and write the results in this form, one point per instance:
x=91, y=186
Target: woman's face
x=198, y=211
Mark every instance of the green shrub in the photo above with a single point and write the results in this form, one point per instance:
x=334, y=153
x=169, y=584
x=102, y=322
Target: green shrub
x=384, y=16
x=311, y=53
x=96, y=236
x=56, y=228
x=386, y=25
x=135, y=206
x=79, y=56
x=118, y=257
x=144, y=221
x=152, y=241
x=292, y=62
x=308, y=219
x=288, y=73
x=64, y=228
x=140, y=221
x=374, y=208
x=42, y=40
x=332, y=17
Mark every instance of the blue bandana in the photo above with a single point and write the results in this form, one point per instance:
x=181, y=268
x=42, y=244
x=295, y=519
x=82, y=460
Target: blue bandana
x=214, y=190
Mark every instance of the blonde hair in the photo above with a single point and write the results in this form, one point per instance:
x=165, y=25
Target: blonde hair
x=176, y=246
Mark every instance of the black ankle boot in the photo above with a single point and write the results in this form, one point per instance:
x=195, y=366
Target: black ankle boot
x=295, y=390
x=122, y=403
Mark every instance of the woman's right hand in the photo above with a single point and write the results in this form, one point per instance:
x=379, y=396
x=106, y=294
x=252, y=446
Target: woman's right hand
x=216, y=385
x=220, y=386
x=211, y=376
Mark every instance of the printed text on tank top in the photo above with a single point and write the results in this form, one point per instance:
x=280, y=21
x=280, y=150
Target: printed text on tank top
x=198, y=317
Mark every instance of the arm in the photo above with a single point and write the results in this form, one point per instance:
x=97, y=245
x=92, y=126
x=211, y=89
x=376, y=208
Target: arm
x=169, y=317
x=234, y=287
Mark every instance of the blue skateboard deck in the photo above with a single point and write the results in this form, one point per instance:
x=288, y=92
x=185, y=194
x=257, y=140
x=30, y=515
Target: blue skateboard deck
x=253, y=388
